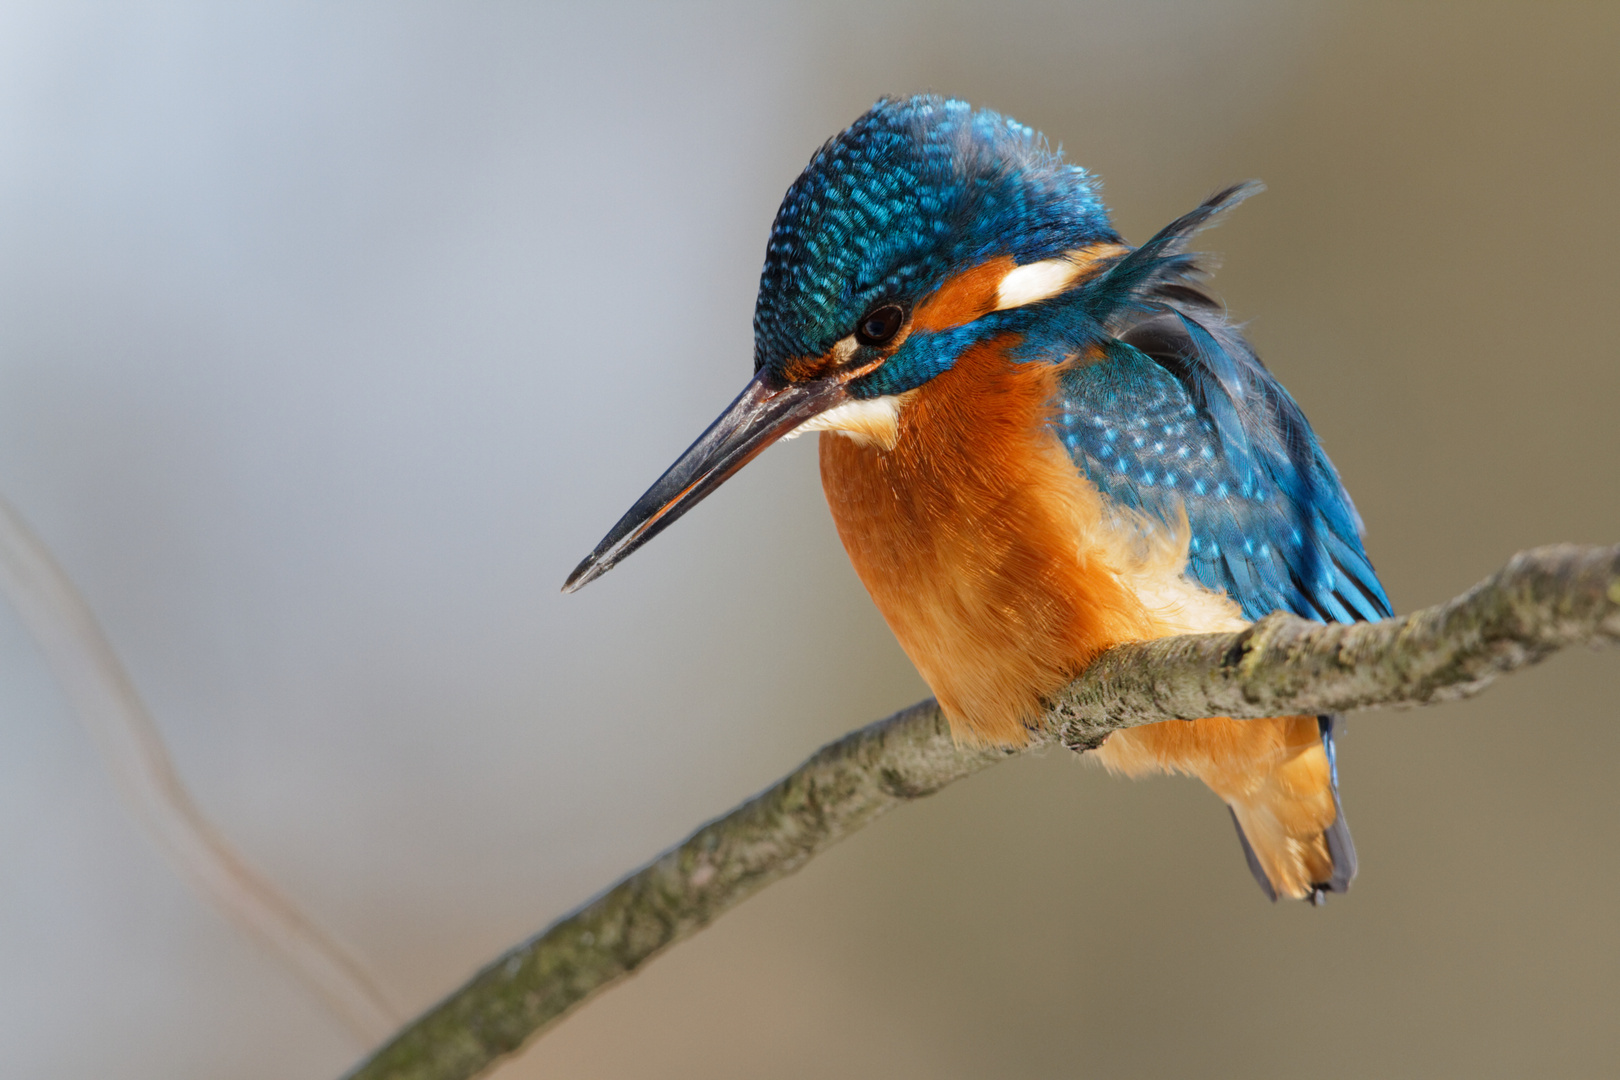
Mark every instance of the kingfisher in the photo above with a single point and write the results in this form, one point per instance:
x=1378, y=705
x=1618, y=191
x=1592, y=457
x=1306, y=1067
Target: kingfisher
x=1038, y=442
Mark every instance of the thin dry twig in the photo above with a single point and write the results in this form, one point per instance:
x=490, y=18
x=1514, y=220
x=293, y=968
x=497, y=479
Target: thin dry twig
x=100, y=693
x=1543, y=601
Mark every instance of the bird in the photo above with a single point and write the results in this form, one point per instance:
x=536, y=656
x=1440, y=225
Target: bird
x=1037, y=442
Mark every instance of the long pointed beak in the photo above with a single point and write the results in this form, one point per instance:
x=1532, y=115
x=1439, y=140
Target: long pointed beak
x=761, y=415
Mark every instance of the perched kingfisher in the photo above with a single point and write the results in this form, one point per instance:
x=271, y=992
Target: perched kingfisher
x=1039, y=442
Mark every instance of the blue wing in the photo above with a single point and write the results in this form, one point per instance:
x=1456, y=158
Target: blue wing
x=1178, y=412
x=1175, y=414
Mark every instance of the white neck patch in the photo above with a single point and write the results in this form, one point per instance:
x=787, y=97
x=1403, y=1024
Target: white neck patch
x=1036, y=281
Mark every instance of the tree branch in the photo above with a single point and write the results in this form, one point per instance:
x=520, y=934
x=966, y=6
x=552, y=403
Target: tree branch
x=1542, y=601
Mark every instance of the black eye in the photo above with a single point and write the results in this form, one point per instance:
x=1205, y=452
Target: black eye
x=879, y=325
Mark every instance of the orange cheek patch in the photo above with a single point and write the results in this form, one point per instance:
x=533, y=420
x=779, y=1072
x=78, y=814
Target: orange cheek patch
x=806, y=368
x=970, y=295
x=963, y=298
x=975, y=293
x=810, y=368
x=1087, y=260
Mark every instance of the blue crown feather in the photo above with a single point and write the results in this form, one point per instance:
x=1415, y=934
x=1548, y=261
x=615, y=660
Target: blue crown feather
x=915, y=189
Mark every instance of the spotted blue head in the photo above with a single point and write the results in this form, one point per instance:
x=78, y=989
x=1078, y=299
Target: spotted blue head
x=911, y=195
x=905, y=240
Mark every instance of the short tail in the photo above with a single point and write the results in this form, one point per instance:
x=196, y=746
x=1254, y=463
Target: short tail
x=1292, y=826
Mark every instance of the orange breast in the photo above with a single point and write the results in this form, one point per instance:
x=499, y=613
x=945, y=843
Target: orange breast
x=1003, y=575
x=971, y=536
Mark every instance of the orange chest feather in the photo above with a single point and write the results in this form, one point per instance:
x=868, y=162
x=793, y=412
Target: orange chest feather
x=989, y=555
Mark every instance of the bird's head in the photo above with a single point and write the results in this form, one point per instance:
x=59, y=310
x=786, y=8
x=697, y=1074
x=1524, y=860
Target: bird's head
x=921, y=229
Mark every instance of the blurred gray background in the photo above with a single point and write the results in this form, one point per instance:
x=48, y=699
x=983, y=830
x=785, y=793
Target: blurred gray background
x=331, y=337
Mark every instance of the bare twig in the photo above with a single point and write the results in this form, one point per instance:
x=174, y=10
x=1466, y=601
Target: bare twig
x=100, y=692
x=1542, y=601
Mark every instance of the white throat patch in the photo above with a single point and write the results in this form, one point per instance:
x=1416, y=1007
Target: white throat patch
x=870, y=422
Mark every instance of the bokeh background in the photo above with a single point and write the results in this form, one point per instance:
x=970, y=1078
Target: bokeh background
x=331, y=336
